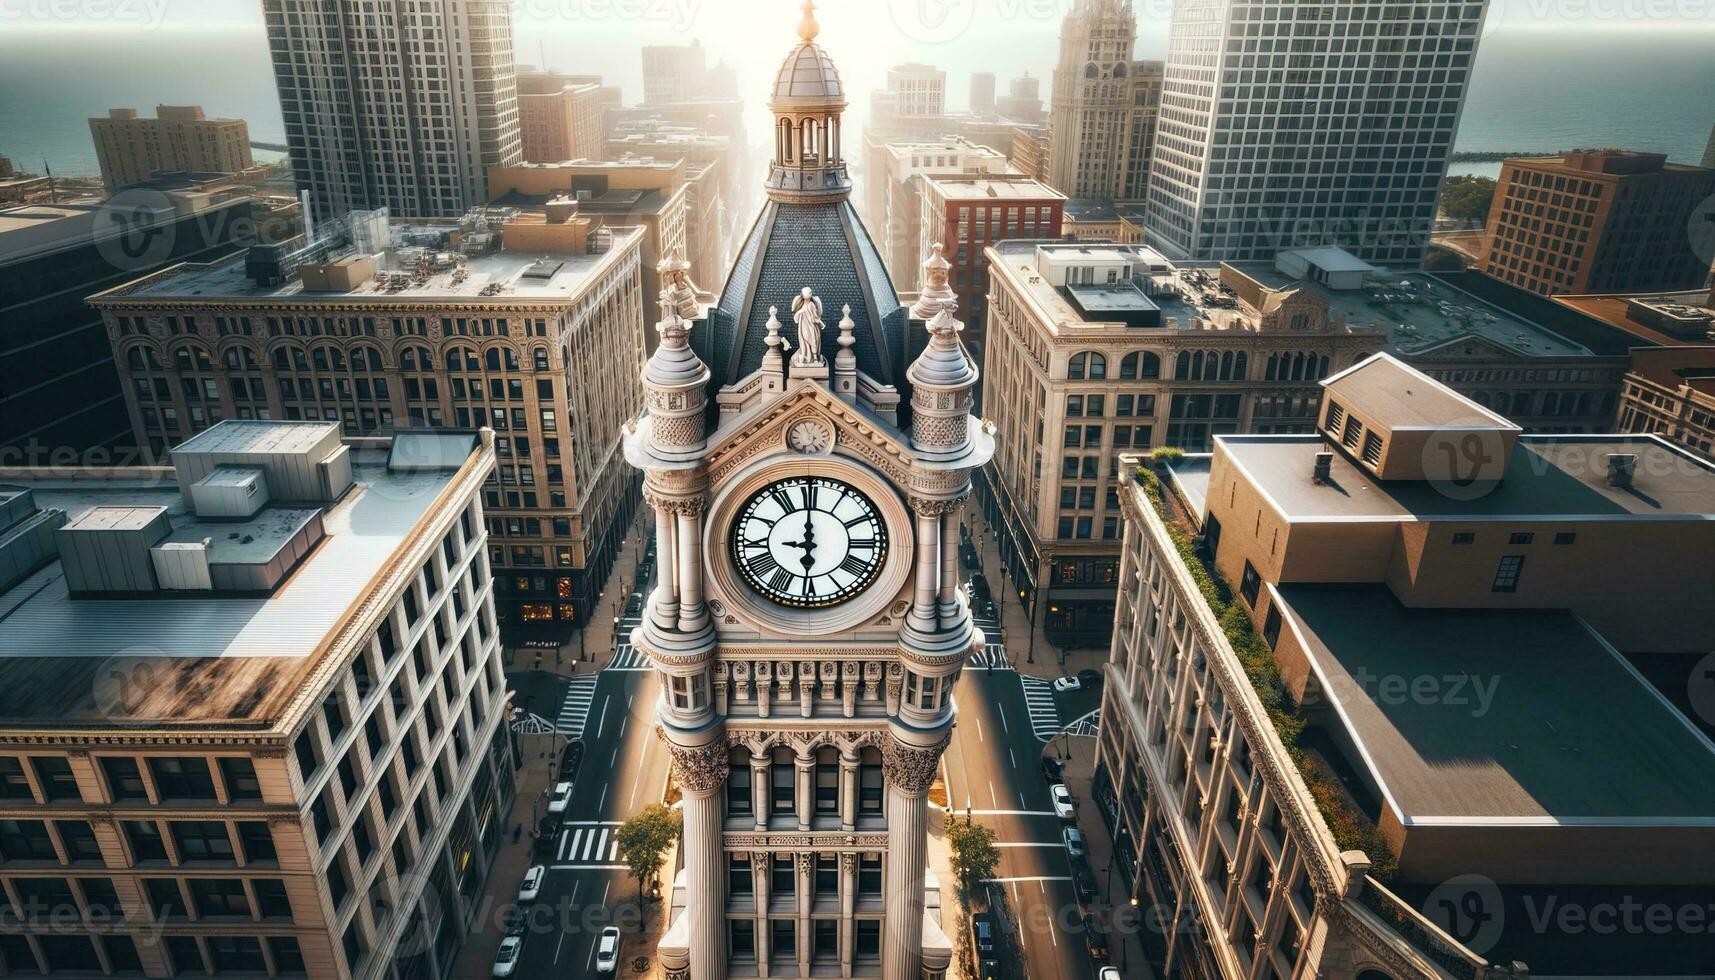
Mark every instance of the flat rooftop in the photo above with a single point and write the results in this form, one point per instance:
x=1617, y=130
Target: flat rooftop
x=1091, y=209
x=1172, y=292
x=1550, y=477
x=213, y=660
x=1614, y=310
x=1537, y=719
x=1404, y=398
x=978, y=188
x=227, y=278
x=1420, y=312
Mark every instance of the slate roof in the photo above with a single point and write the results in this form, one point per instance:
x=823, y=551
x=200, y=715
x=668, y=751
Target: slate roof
x=825, y=247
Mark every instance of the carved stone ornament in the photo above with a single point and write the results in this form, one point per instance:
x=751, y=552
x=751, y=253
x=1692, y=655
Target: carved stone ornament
x=806, y=863
x=910, y=769
x=702, y=770
x=849, y=863
x=934, y=507
x=682, y=973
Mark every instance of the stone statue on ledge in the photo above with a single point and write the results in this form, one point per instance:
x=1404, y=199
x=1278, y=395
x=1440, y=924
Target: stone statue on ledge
x=807, y=313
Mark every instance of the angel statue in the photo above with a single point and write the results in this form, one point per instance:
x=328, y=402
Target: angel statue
x=807, y=313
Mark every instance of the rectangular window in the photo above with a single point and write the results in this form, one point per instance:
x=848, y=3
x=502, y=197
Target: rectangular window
x=55, y=775
x=1565, y=537
x=1465, y=537
x=869, y=875
x=1271, y=626
x=866, y=941
x=870, y=792
x=26, y=840
x=783, y=876
x=202, y=840
x=828, y=788
x=1507, y=574
x=219, y=898
x=186, y=778
x=14, y=785
x=742, y=938
x=1251, y=586
x=783, y=940
x=79, y=840
x=240, y=777
x=740, y=879
x=738, y=797
x=783, y=777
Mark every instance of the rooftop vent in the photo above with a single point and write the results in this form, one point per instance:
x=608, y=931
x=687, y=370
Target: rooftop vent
x=1622, y=467
x=1323, y=472
x=26, y=535
x=106, y=550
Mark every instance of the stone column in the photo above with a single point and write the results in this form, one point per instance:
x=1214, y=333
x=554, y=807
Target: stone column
x=848, y=790
x=910, y=770
x=760, y=772
x=701, y=773
x=664, y=602
x=948, y=598
x=806, y=789
x=693, y=615
x=928, y=571
x=848, y=910
x=806, y=901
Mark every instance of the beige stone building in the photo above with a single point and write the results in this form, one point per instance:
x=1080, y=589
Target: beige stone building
x=1670, y=392
x=1095, y=350
x=1484, y=636
x=519, y=321
x=656, y=196
x=277, y=756
x=561, y=117
x=893, y=191
x=807, y=625
x=132, y=148
x=1103, y=113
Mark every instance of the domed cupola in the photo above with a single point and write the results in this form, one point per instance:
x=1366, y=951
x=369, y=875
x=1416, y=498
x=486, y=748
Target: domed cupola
x=808, y=102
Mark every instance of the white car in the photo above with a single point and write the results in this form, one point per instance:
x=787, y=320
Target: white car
x=1064, y=684
x=1108, y=973
x=561, y=797
x=607, y=951
x=531, y=886
x=506, y=960
x=1074, y=843
x=1064, y=808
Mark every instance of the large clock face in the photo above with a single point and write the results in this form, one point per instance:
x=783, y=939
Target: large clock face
x=809, y=542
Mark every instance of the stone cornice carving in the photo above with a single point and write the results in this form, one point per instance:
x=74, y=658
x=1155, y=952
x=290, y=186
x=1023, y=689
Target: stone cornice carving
x=935, y=506
x=824, y=841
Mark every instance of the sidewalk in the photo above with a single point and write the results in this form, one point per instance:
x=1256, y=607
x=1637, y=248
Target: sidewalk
x=598, y=640
x=475, y=961
x=1014, y=618
x=1125, y=946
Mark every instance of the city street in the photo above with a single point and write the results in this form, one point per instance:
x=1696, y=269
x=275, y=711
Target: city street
x=994, y=769
x=624, y=769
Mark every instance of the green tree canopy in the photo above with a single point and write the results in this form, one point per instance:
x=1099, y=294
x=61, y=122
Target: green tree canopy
x=1468, y=198
x=645, y=839
x=975, y=856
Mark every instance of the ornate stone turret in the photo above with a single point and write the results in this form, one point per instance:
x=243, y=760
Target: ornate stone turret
x=943, y=377
x=774, y=362
x=808, y=102
x=675, y=379
x=845, y=362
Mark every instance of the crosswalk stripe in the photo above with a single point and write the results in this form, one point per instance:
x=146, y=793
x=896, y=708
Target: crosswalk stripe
x=575, y=710
x=1039, y=701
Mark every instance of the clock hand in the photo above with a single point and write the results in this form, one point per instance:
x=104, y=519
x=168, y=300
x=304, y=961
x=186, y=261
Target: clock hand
x=809, y=544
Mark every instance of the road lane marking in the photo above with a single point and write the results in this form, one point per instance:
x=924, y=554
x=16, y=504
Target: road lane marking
x=562, y=849
x=991, y=793
x=1004, y=726
x=603, y=804
x=573, y=901
x=1013, y=758
x=590, y=867
x=601, y=722
x=1025, y=878
x=1012, y=813
x=979, y=722
x=591, y=823
x=1031, y=844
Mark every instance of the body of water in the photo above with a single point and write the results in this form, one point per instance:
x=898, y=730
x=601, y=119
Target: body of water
x=1533, y=91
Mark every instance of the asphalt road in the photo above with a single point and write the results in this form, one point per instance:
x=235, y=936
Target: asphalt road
x=994, y=768
x=624, y=769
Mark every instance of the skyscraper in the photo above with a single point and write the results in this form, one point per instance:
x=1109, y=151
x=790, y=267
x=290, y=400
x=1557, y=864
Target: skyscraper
x=808, y=640
x=982, y=92
x=395, y=104
x=1102, y=120
x=1297, y=123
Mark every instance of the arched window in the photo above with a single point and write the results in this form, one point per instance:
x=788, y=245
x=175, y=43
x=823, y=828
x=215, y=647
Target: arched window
x=239, y=359
x=492, y=358
x=1241, y=367
x=1087, y=364
x=365, y=358
x=540, y=356
x=1120, y=70
x=142, y=359
x=189, y=358
x=1090, y=70
x=1140, y=366
x=1300, y=321
x=463, y=359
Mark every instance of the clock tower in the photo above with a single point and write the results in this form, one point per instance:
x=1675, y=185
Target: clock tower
x=806, y=473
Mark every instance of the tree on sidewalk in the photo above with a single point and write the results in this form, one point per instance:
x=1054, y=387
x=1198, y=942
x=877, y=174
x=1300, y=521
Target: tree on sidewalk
x=975, y=856
x=645, y=839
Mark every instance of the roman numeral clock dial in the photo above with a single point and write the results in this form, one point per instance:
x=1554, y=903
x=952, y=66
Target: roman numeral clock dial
x=809, y=542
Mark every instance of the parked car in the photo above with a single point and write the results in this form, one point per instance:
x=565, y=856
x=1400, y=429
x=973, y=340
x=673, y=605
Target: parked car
x=560, y=799
x=1074, y=839
x=982, y=934
x=607, y=951
x=515, y=922
x=1064, y=808
x=571, y=759
x=1052, y=768
x=1090, y=677
x=1095, y=937
x=1085, y=883
x=979, y=588
x=990, y=970
x=972, y=562
x=1066, y=684
x=1108, y=973
x=506, y=958
x=531, y=886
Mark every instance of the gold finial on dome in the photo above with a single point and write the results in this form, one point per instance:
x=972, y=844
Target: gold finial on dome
x=808, y=28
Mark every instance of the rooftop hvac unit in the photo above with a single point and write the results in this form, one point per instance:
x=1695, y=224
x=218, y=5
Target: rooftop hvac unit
x=1324, y=469
x=1622, y=468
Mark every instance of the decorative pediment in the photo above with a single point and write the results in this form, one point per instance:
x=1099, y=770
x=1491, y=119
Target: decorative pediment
x=1468, y=347
x=788, y=424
